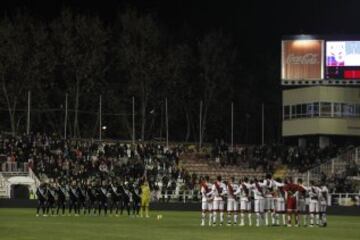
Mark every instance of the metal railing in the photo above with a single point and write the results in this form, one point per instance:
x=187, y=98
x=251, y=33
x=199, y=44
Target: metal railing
x=15, y=167
x=346, y=199
x=176, y=196
x=336, y=199
x=337, y=165
x=356, y=156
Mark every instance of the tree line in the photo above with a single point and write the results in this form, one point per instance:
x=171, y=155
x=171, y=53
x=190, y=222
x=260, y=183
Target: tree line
x=134, y=56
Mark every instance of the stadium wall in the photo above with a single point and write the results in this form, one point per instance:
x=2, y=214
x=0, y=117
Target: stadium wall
x=330, y=124
x=321, y=126
x=18, y=203
x=321, y=94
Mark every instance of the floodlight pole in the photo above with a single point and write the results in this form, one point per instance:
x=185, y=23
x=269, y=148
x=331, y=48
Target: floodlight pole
x=161, y=121
x=28, y=114
x=167, y=123
x=66, y=116
x=262, y=124
x=133, y=120
x=200, y=125
x=232, y=125
x=100, y=120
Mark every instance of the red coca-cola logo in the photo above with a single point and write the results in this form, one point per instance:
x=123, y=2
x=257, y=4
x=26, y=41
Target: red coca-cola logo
x=309, y=58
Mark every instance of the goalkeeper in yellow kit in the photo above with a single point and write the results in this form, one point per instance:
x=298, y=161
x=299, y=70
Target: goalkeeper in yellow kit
x=145, y=199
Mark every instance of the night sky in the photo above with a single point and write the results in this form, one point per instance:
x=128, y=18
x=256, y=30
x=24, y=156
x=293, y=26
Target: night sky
x=256, y=26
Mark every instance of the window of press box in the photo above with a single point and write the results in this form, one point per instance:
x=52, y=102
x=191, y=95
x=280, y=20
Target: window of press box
x=309, y=110
x=303, y=110
x=293, y=111
x=348, y=110
x=312, y=109
x=286, y=112
x=357, y=110
x=316, y=109
x=325, y=109
x=337, y=110
x=298, y=111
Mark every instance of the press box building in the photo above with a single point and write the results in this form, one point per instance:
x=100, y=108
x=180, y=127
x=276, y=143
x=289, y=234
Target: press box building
x=321, y=95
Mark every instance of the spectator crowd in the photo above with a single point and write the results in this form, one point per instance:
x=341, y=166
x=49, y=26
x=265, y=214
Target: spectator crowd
x=59, y=160
x=55, y=159
x=266, y=157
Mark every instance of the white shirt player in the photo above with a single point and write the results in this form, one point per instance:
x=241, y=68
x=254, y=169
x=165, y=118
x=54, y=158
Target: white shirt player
x=303, y=201
x=258, y=190
x=206, y=192
x=268, y=186
x=324, y=201
x=232, y=190
x=244, y=190
x=206, y=197
x=280, y=199
x=324, y=196
x=269, y=195
x=218, y=190
x=232, y=203
x=314, y=194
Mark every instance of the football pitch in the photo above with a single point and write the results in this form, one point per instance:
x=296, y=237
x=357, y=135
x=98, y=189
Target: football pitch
x=16, y=224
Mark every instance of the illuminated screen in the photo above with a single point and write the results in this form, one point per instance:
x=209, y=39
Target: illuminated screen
x=343, y=60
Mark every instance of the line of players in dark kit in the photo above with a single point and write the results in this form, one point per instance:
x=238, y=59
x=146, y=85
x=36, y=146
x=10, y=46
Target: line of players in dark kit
x=105, y=197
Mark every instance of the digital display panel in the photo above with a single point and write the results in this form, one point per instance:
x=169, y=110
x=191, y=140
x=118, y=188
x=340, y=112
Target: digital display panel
x=342, y=60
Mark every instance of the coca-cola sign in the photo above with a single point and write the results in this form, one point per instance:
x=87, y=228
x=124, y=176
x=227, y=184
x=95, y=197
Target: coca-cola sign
x=302, y=59
x=309, y=58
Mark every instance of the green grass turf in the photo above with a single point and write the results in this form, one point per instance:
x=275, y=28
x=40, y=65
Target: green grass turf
x=16, y=224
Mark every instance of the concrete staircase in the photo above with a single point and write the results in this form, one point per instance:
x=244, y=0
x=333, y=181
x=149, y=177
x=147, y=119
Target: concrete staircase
x=202, y=165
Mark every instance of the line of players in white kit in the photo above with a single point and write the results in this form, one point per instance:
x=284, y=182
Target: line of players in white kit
x=270, y=200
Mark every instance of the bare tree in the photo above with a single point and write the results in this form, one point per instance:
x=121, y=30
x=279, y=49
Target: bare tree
x=22, y=59
x=183, y=87
x=216, y=59
x=141, y=59
x=81, y=42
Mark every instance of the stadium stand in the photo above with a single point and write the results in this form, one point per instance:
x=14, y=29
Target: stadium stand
x=172, y=173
